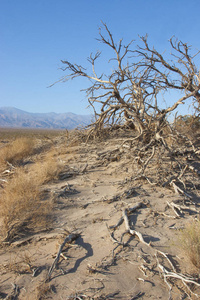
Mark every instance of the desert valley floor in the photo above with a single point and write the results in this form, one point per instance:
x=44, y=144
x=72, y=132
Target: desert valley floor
x=92, y=199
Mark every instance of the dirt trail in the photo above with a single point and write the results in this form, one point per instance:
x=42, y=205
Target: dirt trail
x=94, y=266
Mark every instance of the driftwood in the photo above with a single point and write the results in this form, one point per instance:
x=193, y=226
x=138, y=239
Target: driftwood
x=193, y=169
x=65, y=191
x=176, y=209
x=111, y=200
x=68, y=172
x=125, y=219
x=70, y=238
x=108, y=153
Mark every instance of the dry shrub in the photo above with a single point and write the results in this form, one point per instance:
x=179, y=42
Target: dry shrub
x=18, y=150
x=48, y=169
x=190, y=242
x=20, y=264
x=44, y=291
x=21, y=206
x=188, y=124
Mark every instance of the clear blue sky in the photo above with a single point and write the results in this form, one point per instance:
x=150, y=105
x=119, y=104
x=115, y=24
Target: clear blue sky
x=36, y=34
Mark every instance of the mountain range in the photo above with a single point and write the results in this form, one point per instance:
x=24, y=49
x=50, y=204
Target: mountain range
x=16, y=118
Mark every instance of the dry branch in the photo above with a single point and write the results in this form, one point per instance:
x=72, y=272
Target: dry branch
x=131, y=231
x=130, y=210
x=178, y=190
x=14, y=293
x=185, y=279
x=70, y=238
x=163, y=271
x=178, y=209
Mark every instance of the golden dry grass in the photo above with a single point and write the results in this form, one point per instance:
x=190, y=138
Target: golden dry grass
x=44, y=291
x=17, y=150
x=190, y=242
x=48, y=168
x=22, y=205
x=19, y=144
x=20, y=263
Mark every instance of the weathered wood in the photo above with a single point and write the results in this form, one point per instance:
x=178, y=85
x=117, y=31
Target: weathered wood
x=178, y=190
x=14, y=293
x=131, y=231
x=178, y=209
x=163, y=271
x=185, y=279
x=130, y=210
x=70, y=238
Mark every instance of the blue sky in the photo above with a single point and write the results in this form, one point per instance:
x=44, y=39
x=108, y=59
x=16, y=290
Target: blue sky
x=36, y=35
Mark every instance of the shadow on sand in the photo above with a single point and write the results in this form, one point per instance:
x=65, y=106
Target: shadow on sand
x=89, y=253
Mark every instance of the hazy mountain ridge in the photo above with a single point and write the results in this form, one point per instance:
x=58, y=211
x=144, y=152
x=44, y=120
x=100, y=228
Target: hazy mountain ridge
x=13, y=117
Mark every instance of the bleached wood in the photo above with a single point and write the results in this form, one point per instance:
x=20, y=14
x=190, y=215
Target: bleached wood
x=131, y=231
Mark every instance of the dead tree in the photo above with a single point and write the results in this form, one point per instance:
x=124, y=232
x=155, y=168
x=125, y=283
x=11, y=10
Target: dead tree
x=130, y=96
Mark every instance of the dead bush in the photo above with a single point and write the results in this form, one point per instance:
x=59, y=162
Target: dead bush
x=48, y=168
x=190, y=242
x=20, y=264
x=18, y=150
x=21, y=206
x=188, y=124
x=44, y=291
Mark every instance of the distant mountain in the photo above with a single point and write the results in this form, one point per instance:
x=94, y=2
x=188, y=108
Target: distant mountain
x=13, y=117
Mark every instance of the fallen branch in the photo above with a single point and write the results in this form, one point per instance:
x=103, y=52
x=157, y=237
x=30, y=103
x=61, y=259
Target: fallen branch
x=83, y=169
x=113, y=238
x=193, y=169
x=70, y=238
x=178, y=190
x=14, y=293
x=130, y=210
x=178, y=209
x=185, y=279
x=131, y=231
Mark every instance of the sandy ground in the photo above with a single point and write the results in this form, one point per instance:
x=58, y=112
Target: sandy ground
x=94, y=266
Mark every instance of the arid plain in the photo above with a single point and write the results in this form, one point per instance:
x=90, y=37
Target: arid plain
x=76, y=223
